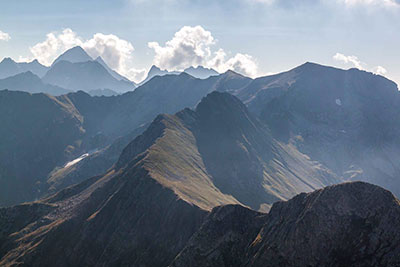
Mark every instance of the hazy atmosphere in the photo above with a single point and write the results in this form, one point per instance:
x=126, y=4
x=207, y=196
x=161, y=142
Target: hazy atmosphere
x=200, y=133
x=253, y=37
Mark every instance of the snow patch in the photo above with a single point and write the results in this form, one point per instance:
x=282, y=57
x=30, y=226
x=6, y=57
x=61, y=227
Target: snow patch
x=73, y=162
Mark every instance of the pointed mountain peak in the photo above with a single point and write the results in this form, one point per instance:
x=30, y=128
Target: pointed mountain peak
x=154, y=68
x=8, y=60
x=74, y=55
x=232, y=73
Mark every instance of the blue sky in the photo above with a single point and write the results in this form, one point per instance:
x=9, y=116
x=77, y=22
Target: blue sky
x=255, y=37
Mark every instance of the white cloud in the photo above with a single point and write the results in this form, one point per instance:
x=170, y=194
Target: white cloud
x=136, y=75
x=189, y=46
x=192, y=46
x=116, y=52
x=349, y=59
x=389, y=3
x=347, y=3
x=55, y=44
x=358, y=64
x=4, y=36
x=241, y=63
x=380, y=70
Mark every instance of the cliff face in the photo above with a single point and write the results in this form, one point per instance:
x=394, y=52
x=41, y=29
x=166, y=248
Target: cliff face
x=351, y=224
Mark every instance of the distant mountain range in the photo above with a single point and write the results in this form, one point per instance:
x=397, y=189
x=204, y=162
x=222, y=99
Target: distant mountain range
x=198, y=72
x=160, y=198
x=138, y=178
x=318, y=131
x=9, y=67
x=72, y=71
x=85, y=76
x=31, y=83
x=75, y=70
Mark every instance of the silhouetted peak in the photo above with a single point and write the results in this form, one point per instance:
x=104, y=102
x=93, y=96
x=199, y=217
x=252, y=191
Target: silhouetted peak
x=221, y=104
x=154, y=68
x=7, y=60
x=74, y=55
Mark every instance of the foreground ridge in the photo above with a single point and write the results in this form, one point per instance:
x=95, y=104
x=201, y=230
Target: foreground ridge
x=350, y=224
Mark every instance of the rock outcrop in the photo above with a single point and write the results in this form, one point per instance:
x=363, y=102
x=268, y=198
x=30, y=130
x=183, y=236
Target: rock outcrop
x=351, y=224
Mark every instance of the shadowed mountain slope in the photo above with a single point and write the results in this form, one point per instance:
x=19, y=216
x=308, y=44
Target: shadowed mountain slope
x=9, y=67
x=86, y=76
x=351, y=224
x=333, y=116
x=37, y=132
x=143, y=211
x=29, y=82
x=103, y=119
x=349, y=120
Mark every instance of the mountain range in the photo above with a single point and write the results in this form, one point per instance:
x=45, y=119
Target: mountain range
x=222, y=170
x=72, y=71
x=197, y=72
x=31, y=83
x=157, y=205
x=107, y=118
x=75, y=70
x=9, y=67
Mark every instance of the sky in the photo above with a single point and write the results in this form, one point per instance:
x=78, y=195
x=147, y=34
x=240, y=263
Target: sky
x=252, y=37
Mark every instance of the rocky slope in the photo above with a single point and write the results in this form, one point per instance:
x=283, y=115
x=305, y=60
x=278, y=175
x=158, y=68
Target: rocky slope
x=351, y=224
x=333, y=116
x=349, y=120
x=37, y=132
x=142, y=211
x=102, y=121
x=234, y=154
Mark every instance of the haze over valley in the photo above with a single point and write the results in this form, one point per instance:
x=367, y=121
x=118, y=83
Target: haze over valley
x=206, y=156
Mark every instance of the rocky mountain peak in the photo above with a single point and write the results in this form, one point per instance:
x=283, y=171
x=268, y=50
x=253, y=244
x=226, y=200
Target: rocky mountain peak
x=350, y=224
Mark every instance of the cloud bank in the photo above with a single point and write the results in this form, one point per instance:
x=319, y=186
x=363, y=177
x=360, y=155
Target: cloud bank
x=4, y=36
x=193, y=46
